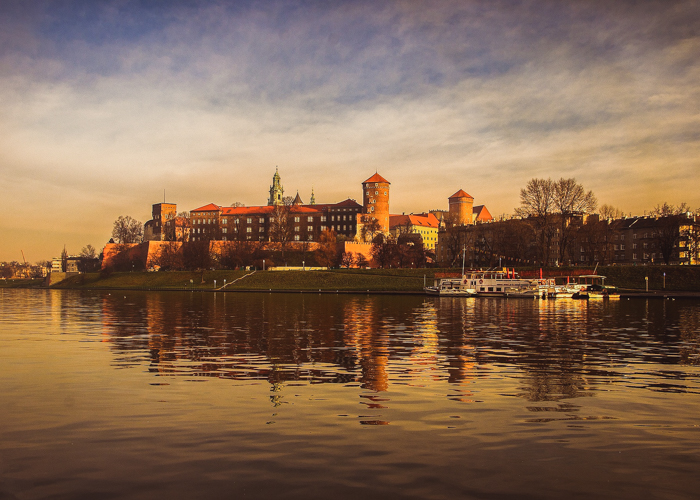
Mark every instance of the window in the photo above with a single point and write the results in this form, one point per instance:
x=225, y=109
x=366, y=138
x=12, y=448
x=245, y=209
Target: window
x=262, y=229
x=296, y=237
x=224, y=220
x=323, y=228
x=310, y=218
x=249, y=220
x=622, y=247
x=309, y=228
x=224, y=230
x=296, y=219
x=249, y=230
x=296, y=229
x=323, y=218
x=634, y=246
x=261, y=220
x=622, y=237
x=634, y=256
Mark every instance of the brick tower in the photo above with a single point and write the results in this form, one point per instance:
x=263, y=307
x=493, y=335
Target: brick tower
x=461, y=208
x=375, y=200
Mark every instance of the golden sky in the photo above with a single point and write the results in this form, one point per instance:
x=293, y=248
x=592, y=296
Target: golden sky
x=105, y=104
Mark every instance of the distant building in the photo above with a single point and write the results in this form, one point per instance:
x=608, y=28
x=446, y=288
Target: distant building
x=155, y=229
x=275, y=221
x=426, y=225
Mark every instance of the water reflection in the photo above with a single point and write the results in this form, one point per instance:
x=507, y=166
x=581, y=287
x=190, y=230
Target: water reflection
x=561, y=349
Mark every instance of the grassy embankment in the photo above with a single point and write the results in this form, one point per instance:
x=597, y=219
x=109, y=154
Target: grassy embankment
x=390, y=280
x=685, y=278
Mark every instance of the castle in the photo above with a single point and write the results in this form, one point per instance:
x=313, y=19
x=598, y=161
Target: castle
x=284, y=219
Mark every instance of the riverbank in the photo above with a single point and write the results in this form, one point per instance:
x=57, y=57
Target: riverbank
x=377, y=281
x=662, y=281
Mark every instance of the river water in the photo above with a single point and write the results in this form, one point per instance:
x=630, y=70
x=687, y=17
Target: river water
x=301, y=396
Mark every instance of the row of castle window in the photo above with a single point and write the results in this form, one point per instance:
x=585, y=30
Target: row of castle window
x=261, y=220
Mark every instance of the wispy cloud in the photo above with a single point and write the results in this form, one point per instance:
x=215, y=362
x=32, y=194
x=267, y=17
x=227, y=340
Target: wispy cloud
x=114, y=101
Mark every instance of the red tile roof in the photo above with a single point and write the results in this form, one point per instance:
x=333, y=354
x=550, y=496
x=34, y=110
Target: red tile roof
x=414, y=220
x=460, y=194
x=482, y=213
x=376, y=178
x=206, y=208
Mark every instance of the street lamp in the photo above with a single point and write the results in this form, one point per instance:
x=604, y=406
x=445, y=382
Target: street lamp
x=263, y=264
x=303, y=265
x=646, y=279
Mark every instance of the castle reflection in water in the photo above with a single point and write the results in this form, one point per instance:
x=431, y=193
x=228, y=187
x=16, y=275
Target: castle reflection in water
x=376, y=341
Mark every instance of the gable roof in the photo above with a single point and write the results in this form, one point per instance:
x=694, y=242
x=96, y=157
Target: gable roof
x=207, y=208
x=376, y=178
x=418, y=220
x=461, y=194
x=482, y=213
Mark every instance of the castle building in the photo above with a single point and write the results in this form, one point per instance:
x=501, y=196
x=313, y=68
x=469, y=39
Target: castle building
x=276, y=190
x=155, y=229
x=461, y=208
x=276, y=221
x=375, y=200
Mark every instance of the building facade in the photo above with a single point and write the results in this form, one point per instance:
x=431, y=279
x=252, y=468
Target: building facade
x=275, y=222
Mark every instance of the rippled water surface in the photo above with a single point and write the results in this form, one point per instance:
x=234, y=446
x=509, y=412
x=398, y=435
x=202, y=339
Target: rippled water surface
x=202, y=395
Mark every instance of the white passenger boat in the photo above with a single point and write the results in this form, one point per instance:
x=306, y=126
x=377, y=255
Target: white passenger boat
x=503, y=283
x=450, y=287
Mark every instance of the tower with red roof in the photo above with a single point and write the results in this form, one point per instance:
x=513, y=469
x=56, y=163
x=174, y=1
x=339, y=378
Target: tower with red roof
x=375, y=200
x=461, y=208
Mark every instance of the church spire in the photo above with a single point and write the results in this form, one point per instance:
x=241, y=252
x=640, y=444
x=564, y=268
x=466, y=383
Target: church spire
x=276, y=190
x=313, y=198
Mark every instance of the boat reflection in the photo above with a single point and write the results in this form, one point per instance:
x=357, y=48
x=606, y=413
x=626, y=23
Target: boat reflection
x=560, y=349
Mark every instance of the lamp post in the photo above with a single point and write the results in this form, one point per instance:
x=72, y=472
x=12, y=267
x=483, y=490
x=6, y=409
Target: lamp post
x=664, y=281
x=303, y=265
x=263, y=264
x=646, y=279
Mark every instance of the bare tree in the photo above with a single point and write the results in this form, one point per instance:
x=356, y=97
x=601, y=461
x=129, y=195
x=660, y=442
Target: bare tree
x=347, y=259
x=552, y=206
x=127, y=230
x=571, y=201
x=89, y=252
x=537, y=203
x=326, y=253
x=370, y=228
x=610, y=212
x=668, y=234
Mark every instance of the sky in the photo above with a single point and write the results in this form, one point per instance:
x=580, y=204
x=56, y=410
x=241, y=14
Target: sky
x=107, y=105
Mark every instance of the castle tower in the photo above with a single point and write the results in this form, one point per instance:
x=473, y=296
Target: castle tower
x=461, y=208
x=276, y=190
x=375, y=200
